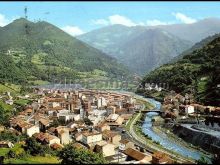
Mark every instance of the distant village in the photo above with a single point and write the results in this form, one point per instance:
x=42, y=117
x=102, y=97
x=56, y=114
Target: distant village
x=88, y=119
x=178, y=106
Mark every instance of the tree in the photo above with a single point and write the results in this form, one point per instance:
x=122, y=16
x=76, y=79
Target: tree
x=33, y=147
x=11, y=154
x=72, y=155
x=202, y=160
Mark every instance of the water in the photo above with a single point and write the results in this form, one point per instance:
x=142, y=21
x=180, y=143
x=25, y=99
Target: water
x=163, y=139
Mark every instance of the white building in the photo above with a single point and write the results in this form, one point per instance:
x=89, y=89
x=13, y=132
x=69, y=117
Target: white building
x=91, y=137
x=189, y=109
x=32, y=130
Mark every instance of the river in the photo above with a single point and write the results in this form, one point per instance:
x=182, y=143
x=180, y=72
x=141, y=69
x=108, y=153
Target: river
x=164, y=140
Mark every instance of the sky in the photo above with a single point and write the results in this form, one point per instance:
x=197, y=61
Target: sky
x=80, y=17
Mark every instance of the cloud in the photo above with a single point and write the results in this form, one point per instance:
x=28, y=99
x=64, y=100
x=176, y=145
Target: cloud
x=73, y=30
x=3, y=21
x=183, y=18
x=118, y=19
x=156, y=22
x=115, y=19
x=100, y=22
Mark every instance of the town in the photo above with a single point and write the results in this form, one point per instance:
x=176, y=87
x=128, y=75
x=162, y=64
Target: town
x=88, y=119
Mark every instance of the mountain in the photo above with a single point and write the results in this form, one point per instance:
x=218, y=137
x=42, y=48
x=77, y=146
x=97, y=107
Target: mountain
x=109, y=38
x=195, y=47
x=122, y=42
x=194, y=32
x=197, y=72
x=151, y=49
x=138, y=48
x=42, y=51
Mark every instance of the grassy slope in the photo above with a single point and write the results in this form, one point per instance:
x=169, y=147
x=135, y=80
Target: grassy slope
x=46, y=51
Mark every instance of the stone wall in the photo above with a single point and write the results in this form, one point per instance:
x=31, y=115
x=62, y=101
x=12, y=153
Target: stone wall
x=206, y=141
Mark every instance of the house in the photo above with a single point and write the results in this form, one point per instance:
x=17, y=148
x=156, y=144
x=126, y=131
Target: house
x=107, y=149
x=115, y=119
x=91, y=137
x=46, y=138
x=79, y=145
x=44, y=124
x=134, y=154
x=111, y=137
x=56, y=146
x=110, y=110
x=66, y=116
x=78, y=136
x=32, y=129
x=125, y=143
x=102, y=127
x=6, y=144
x=63, y=134
x=161, y=158
x=189, y=109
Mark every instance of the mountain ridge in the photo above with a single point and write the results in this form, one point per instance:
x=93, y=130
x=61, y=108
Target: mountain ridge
x=49, y=51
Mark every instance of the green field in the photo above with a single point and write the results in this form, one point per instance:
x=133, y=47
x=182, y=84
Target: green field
x=34, y=160
x=9, y=88
x=27, y=159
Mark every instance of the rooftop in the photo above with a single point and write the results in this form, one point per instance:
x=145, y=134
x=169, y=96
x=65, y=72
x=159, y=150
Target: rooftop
x=137, y=155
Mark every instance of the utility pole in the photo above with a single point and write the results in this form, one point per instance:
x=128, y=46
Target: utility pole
x=25, y=12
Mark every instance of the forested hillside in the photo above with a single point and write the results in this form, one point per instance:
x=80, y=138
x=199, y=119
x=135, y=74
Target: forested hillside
x=41, y=51
x=197, y=72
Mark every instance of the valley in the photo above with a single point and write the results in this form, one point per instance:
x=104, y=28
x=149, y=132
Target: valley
x=101, y=87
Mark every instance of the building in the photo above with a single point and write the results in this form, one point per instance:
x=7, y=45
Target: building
x=107, y=149
x=141, y=157
x=189, y=109
x=63, y=134
x=46, y=138
x=161, y=158
x=91, y=137
x=79, y=145
x=114, y=119
x=44, y=124
x=102, y=127
x=111, y=137
x=6, y=144
x=125, y=144
x=32, y=129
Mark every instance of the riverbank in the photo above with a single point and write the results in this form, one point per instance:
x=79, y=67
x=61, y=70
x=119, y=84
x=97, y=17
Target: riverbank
x=154, y=145
x=161, y=130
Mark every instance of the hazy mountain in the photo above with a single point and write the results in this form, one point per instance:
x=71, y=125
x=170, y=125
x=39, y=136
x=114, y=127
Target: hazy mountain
x=143, y=55
x=196, y=31
x=42, y=50
x=195, y=47
x=140, y=49
x=150, y=49
x=110, y=38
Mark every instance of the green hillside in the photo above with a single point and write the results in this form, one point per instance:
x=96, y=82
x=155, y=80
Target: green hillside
x=198, y=72
x=40, y=51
